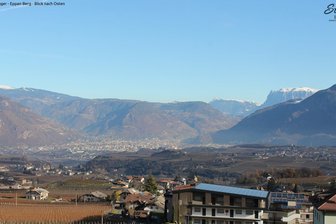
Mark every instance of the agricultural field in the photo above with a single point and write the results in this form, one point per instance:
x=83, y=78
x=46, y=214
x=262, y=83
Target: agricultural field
x=321, y=180
x=60, y=207
x=50, y=213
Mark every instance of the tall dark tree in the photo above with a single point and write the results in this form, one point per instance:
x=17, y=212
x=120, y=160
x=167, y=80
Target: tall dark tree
x=271, y=184
x=151, y=185
x=332, y=186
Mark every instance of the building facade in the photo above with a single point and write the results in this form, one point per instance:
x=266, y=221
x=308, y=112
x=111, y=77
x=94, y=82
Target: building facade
x=37, y=194
x=289, y=208
x=216, y=204
x=325, y=212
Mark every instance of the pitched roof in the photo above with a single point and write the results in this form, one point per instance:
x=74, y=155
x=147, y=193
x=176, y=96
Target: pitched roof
x=38, y=190
x=183, y=187
x=329, y=205
x=99, y=194
x=232, y=190
x=166, y=180
x=132, y=191
x=141, y=197
x=160, y=201
x=41, y=190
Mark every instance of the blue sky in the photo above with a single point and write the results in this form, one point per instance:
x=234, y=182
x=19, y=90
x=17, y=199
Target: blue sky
x=169, y=50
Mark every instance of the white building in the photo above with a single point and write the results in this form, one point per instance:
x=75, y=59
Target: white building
x=95, y=196
x=37, y=194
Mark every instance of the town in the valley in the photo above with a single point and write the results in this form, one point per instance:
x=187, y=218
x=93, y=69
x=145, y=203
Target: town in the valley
x=283, y=195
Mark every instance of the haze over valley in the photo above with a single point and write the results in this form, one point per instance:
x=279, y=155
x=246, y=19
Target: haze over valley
x=72, y=118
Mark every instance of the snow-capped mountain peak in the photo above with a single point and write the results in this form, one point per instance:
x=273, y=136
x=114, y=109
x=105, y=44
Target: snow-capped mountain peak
x=286, y=94
x=300, y=89
x=6, y=87
x=234, y=107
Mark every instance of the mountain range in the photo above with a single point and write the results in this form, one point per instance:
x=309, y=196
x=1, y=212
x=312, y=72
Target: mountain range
x=38, y=117
x=243, y=108
x=308, y=122
x=19, y=126
x=234, y=107
x=123, y=119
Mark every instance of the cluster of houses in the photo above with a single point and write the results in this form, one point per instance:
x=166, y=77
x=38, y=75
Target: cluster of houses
x=135, y=204
x=11, y=183
x=215, y=204
x=200, y=203
x=44, y=169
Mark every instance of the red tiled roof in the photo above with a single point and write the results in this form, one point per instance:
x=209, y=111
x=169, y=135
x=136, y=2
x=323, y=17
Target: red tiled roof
x=329, y=205
x=166, y=180
x=146, y=197
x=183, y=187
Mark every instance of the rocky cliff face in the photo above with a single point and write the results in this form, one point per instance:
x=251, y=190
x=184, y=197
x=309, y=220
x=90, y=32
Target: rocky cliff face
x=286, y=94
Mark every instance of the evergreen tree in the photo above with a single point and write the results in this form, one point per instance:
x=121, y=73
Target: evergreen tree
x=151, y=185
x=332, y=186
x=271, y=184
x=296, y=188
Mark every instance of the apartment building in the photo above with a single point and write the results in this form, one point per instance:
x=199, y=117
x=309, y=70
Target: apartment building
x=289, y=208
x=216, y=204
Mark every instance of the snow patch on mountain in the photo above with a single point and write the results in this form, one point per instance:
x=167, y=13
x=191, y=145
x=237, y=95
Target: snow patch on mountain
x=6, y=87
x=301, y=89
x=234, y=107
x=286, y=94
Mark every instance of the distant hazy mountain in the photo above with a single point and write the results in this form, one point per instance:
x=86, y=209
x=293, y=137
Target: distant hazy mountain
x=308, y=122
x=6, y=87
x=234, y=107
x=131, y=119
x=128, y=119
x=137, y=119
x=244, y=108
x=36, y=99
x=19, y=126
x=286, y=94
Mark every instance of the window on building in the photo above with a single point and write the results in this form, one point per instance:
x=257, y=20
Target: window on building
x=197, y=196
x=239, y=212
x=252, y=203
x=197, y=221
x=220, y=210
x=235, y=201
x=256, y=214
x=204, y=211
x=231, y=213
x=197, y=209
x=220, y=222
x=217, y=199
x=249, y=212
